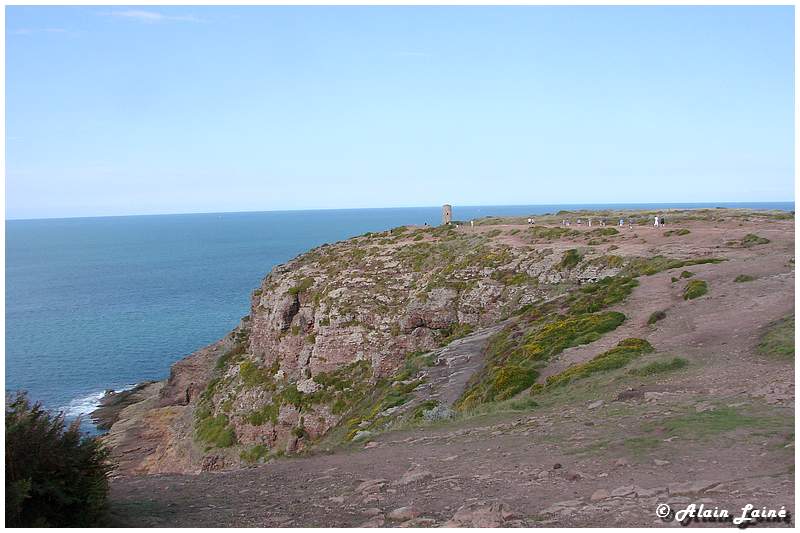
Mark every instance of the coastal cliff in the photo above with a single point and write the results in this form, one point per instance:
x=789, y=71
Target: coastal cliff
x=350, y=338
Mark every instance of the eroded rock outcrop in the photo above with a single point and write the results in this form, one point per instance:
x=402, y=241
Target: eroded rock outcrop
x=325, y=328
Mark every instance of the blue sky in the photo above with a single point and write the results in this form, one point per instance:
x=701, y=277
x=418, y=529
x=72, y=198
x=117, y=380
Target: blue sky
x=131, y=110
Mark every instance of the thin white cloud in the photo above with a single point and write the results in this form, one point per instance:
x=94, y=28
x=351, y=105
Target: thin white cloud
x=152, y=17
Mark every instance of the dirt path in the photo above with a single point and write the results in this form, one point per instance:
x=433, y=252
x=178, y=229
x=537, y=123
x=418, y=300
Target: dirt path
x=544, y=468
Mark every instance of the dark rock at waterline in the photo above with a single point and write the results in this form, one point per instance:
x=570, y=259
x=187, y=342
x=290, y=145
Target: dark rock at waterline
x=114, y=402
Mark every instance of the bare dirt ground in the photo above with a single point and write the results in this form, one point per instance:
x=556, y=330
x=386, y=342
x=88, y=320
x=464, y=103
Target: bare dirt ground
x=604, y=451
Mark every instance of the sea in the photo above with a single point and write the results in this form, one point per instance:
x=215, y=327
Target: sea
x=103, y=303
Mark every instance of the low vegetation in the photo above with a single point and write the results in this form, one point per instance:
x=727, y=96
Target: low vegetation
x=570, y=259
x=369, y=413
x=255, y=454
x=656, y=316
x=743, y=278
x=514, y=359
x=215, y=431
x=753, y=240
x=551, y=233
x=603, y=232
x=695, y=289
x=711, y=422
x=55, y=476
x=658, y=367
x=678, y=232
x=301, y=287
x=617, y=357
x=596, y=296
x=641, y=266
x=455, y=331
x=778, y=341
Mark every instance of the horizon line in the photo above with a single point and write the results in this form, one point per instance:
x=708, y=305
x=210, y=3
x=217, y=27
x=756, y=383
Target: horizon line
x=73, y=217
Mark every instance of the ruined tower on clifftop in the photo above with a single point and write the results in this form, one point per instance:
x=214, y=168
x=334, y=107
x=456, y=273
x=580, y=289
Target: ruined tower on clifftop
x=447, y=214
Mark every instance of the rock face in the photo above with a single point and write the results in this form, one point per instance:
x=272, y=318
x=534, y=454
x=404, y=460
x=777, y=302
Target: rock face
x=324, y=328
x=114, y=402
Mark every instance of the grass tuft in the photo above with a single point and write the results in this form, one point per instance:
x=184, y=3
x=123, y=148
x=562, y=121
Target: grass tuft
x=616, y=357
x=655, y=317
x=778, y=341
x=301, y=287
x=695, y=289
x=753, y=240
x=216, y=431
x=570, y=259
x=600, y=295
x=658, y=367
x=679, y=232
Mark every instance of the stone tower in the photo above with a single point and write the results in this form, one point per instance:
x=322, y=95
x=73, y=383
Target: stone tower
x=447, y=214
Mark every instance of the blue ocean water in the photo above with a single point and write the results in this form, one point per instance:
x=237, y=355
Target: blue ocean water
x=104, y=303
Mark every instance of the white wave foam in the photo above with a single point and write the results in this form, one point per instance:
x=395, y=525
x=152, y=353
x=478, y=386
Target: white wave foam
x=85, y=405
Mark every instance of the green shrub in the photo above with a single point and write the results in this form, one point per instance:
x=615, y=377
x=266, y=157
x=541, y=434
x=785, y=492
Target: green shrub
x=753, y=240
x=301, y=287
x=507, y=277
x=231, y=356
x=679, y=232
x=300, y=431
x=603, y=232
x=344, y=377
x=267, y=413
x=55, y=477
x=570, y=259
x=292, y=395
x=695, y=289
x=215, y=431
x=419, y=411
x=513, y=362
x=742, y=278
x=596, y=296
x=455, y=331
x=656, y=316
x=523, y=404
x=640, y=266
x=686, y=274
x=254, y=454
x=778, y=341
x=609, y=261
x=658, y=367
x=253, y=375
x=616, y=357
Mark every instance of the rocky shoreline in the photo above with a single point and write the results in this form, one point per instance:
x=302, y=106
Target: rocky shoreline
x=113, y=402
